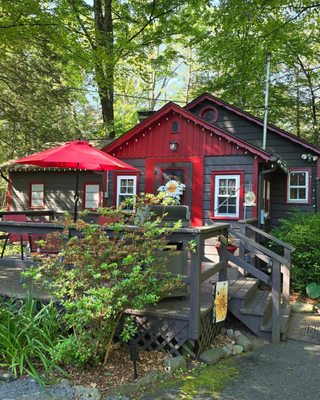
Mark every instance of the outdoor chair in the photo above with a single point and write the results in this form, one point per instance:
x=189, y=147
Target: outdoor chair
x=15, y=237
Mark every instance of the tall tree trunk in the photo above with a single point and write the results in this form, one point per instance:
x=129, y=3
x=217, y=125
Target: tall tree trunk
x=104, y=61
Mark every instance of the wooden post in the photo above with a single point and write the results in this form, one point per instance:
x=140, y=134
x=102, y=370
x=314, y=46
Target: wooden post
x=242, y=248
x=286, y=277
x=223, y=257
x=276, y=288
x=195, y=288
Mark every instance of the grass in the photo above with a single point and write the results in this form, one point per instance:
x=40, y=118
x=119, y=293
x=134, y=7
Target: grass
x=28, y=335
x=206, y=380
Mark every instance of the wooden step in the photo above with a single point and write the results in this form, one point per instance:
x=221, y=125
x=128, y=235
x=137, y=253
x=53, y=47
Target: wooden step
x=243, y=288
x=258, y=304
x=285, y=313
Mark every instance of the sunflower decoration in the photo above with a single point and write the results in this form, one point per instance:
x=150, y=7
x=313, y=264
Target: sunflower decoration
x=173, y=189
x=221, y=301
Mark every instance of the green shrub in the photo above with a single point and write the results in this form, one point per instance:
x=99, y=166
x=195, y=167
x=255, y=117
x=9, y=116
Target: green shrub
x=302, y=231
x=28, y=335
x=101, y=275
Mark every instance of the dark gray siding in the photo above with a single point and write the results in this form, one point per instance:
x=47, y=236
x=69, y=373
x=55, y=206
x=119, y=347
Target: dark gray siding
x=236, y=163
x=137, y=163
x=59, y=188
x=279, y=146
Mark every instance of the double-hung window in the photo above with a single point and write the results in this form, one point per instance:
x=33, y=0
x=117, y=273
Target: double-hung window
x=226, y=201
x=126, y=189
x=91, y=196
x=37, y=195
x=298, y=186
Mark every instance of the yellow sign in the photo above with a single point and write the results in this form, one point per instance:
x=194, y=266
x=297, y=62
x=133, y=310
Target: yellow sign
x=220, y=301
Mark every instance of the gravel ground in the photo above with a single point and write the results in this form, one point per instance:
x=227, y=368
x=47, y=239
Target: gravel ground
x=29, y=389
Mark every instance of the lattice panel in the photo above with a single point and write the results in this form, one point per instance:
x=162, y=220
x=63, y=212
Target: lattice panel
x=161, y=334
x=208, y=331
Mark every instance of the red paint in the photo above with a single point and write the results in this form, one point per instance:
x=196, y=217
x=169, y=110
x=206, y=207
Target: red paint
x=84, y=195
x=227, y=172
x=251, y=118
x=197, y=137
x=30, y=197
x=308, y=202
x=255, y=186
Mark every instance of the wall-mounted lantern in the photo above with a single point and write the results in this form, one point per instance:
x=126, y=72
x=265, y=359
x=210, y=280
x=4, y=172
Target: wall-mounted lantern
x=173, y=146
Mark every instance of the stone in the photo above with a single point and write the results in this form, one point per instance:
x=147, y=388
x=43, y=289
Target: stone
x=174, y=363
x=6, y=376
x=230, y=333
x=212, y=356
x=237, y=349
x=302, y=307
x=244, y=342
x=228, y=350
x=86, y=393
x=151, y=378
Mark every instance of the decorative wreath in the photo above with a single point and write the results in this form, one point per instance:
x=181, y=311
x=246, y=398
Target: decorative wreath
x=173, y=189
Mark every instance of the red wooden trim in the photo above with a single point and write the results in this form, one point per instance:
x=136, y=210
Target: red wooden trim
x=30, y=196
x=252, y=118
x=227, y=172
x=84, y=195
x=115, y=178
x=9, y=193
x=171, y=107
x=255, y=186
x=210, y=108
x=308, y=202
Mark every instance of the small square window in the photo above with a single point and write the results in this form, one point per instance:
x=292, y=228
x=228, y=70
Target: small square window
x=298, y=187
x=37, y=195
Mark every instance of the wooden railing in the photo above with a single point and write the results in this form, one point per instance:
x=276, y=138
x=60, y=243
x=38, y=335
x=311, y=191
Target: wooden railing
x=194, y=278
x=250, y=252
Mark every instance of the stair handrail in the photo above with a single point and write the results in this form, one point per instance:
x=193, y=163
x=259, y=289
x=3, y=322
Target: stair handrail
x=279, y=265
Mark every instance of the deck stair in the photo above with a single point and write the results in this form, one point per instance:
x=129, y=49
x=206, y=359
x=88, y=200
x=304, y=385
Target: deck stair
x=253, y=307
x=260, y=299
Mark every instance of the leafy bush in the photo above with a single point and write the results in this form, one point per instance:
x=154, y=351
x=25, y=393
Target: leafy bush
x=302, y=230
x=101, y=275
x=28, y=335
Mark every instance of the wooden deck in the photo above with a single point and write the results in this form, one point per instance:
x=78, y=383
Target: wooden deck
x=13, y=285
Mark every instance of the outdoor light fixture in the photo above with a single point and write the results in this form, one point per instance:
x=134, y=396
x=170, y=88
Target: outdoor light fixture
x=309, y=157
x=173, y=146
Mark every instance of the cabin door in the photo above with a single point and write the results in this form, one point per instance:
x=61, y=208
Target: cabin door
x=181, y=172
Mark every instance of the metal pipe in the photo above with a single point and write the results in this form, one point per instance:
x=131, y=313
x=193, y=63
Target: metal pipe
x=266, y=98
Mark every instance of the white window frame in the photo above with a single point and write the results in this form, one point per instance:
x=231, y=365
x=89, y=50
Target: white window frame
x=36, y=198
x=216, y=212
x=133, y=194
x=86, y=200
x=304, y=200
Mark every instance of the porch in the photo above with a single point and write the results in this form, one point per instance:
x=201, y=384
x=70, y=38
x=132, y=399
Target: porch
x=184, y=322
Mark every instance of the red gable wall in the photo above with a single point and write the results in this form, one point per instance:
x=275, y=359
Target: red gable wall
x=192, y=139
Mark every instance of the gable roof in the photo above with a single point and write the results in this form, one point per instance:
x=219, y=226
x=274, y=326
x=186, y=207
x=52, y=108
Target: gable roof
x=172, y=107
x=252, y=118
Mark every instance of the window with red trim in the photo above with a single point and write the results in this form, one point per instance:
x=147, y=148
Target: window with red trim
x=210, y=114
x=298, y=186
x=91, y=196
x=227, y=193
x=37, y=195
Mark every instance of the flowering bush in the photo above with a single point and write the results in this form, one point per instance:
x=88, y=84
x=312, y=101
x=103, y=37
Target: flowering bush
x=172, y=190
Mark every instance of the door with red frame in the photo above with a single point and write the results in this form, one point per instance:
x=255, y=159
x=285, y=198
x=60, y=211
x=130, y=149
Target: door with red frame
x=181, y=172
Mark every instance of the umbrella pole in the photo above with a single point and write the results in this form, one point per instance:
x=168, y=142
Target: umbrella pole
x=76, y=198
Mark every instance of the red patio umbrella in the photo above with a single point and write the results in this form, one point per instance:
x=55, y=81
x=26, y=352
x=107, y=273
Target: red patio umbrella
x=77, y=154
